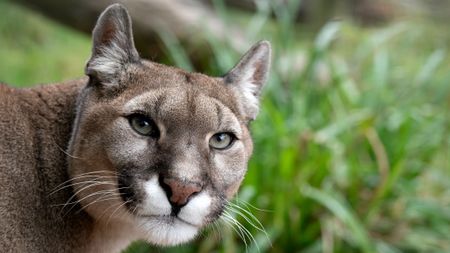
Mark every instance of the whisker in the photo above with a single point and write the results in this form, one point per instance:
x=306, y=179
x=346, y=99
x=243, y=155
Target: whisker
x=101, y=199
x=134, y=210
x=118, y=208
x=64, y=151
x=113, y=194
x=82, y=189
x=244, y=229
x=260, y=226
x=247, y=204
x=104, y=212
x=78, y=183
x=216, y=229
x=90, y=195
x=250, y=218
x=230, y=221
x=126, y=209
x=104, y=196
x=87, y=174
x=261, y=229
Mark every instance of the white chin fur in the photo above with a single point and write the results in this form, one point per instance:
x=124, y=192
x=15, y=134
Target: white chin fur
x=162, y=229
x=167, y=231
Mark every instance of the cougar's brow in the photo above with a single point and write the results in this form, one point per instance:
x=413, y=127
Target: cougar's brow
x=219, y=113
x=190, y=102
x=141, y=103
x=219, y=108
x=160, y=100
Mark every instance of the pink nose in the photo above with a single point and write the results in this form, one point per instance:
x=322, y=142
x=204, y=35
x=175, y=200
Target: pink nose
x=179, y=191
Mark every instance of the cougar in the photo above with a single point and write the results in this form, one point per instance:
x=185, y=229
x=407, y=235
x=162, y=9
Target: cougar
x=136, y=150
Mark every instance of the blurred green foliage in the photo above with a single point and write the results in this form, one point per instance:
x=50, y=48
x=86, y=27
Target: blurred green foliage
x=352, y=142
x=36, y=50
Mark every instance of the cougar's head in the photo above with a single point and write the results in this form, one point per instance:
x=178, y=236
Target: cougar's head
x=155, y=146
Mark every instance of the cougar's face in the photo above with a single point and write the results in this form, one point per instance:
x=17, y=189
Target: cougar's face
x=165, y=155
x=156, y=147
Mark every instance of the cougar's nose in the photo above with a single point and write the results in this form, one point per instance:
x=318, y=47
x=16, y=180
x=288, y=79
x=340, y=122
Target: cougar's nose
x=178, y=191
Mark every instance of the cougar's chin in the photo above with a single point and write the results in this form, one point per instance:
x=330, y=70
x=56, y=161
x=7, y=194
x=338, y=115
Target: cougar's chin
x=167, y=230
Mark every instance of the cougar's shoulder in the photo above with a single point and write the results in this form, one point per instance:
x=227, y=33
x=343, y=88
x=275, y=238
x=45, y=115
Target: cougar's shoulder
x=35, y=124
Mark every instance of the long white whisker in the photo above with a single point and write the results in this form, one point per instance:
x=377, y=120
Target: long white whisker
x=118, y=208
x=101, y=199
x=114, y=194
x=82, y=189
x=216, y=230
x=106, y=210
x=77, y=183
x=247, y=205
x=241, y=227
x=261, y=229
x=247, y=232
x=109, y=194
x=65, y=152
x=134, y=210
x=232, y=222
x=250, y=219
x=260, y=226
x=88, y=196
x=87, y=174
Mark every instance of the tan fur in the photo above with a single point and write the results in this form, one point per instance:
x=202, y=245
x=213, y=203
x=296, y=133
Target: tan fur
x=35, y=129
x=94, y=197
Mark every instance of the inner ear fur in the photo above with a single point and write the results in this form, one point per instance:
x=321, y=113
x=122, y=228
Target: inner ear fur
x=247, y=78
x=113, y=46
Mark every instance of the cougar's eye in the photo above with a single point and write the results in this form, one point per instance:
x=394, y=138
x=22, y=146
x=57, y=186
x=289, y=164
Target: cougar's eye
x=221, y=140
x=143, y=125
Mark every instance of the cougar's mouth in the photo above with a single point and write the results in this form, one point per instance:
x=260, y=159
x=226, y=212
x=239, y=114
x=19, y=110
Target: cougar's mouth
x=163, y=221
x=167, y=230
x=168, y=219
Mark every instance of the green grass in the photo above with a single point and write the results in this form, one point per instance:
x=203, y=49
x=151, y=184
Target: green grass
x=35, y=50
x=352, y=142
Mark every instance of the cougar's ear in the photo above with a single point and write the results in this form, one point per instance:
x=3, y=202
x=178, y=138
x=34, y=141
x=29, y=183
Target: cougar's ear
x=247, y=78
x=113, y=45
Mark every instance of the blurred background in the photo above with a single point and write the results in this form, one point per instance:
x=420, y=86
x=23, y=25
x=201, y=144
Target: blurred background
x=352, y=142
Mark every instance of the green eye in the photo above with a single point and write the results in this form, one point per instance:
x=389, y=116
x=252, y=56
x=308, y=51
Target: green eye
x=221, y=140
x=143, y=125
